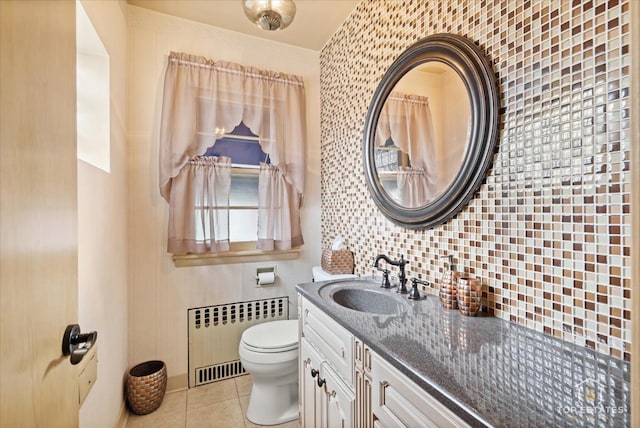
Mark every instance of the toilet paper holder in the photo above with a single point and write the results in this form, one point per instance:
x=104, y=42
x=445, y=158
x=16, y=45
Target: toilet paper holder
x=265, y=276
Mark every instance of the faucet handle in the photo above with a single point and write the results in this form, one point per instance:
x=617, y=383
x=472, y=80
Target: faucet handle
x=385, y=278
x=414, y=294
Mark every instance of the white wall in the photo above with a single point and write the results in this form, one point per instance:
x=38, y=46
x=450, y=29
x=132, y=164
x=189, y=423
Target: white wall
x=160, y=293
x=102, y=233
x=455, y=124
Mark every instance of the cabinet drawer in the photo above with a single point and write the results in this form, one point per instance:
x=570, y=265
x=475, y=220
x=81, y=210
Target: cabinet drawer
x=399, y=402
x=330, y=339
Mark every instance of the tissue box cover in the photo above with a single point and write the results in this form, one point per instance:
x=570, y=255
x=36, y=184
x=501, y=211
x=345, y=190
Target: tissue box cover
x=337, y=262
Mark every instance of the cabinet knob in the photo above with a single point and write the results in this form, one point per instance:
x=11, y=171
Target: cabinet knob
x=314, y=372
x=321, y=382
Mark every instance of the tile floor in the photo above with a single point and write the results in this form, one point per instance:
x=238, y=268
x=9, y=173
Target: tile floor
x=220, y=404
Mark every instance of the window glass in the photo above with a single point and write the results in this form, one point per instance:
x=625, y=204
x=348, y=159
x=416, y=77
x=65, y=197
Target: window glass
x=243, y=225
x=244, y=190
x=241, y=145
x=244, y=152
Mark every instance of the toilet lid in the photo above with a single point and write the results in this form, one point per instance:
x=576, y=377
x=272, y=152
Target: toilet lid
x=272, y=335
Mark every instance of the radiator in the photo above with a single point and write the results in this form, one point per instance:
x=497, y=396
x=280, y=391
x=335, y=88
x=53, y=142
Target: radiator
x=214, y=335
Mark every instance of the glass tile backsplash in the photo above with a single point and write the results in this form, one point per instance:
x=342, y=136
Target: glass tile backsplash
x=549, y=231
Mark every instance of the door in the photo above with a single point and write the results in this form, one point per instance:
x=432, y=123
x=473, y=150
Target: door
x=38, y=213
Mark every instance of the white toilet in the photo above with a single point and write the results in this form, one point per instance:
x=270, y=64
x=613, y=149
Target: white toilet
x=269, y=351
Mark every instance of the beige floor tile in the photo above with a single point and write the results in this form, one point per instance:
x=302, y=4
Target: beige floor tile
x=170, y=414
x=154, y=420
x=211, y=393
x=174, y=402
x=209, y=406
x=222, y=414
x=244, y=384
x=292, y=424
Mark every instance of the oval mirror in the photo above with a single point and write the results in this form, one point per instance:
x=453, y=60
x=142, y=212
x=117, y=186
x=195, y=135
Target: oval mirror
x=430, y=132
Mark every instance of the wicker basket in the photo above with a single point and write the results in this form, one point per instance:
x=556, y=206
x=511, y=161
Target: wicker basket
x=146, y=385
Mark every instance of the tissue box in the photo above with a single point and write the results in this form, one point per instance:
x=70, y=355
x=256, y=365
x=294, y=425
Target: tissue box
x=337, y=262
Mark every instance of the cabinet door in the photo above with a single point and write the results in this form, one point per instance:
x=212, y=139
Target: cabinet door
x=333, y=341
x=362, y=379
x=310, y=393
x=340, y=402
x=325, y=400
x=363, y=417
x=399, y=402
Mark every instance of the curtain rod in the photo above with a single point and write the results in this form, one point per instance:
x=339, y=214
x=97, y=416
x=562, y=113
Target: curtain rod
x=217, y=67
x=229, y=136
x=409, y=98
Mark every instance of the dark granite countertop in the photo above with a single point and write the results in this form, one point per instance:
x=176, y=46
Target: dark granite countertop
x=488, y=371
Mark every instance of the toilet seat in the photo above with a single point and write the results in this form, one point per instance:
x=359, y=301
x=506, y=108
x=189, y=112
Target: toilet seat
x=271, y=337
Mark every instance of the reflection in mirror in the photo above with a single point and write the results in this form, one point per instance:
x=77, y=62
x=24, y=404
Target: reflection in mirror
x=422, y=134
x=431, y=131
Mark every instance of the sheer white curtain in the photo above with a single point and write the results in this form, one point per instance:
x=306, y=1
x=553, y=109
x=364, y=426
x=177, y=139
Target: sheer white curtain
x=406, y=119
x=412, y=187
x=203, y=99
x=278, y=210
x=199, y=206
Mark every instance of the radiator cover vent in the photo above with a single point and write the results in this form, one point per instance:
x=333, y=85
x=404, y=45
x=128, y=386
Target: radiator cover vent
x=214, y=335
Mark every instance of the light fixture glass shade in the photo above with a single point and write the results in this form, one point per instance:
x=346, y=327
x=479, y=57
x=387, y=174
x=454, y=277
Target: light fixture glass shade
x=270, y=14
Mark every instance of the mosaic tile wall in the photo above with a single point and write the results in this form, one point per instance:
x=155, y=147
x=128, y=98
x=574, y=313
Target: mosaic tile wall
x=549, y=231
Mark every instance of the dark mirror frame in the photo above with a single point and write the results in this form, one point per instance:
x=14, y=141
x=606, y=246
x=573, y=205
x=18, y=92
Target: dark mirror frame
x=475, y=71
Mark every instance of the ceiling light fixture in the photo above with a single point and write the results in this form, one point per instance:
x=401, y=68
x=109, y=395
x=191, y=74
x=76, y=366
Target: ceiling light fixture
x=270, y=15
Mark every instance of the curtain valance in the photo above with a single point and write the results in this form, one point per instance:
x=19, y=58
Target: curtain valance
x=203, y=99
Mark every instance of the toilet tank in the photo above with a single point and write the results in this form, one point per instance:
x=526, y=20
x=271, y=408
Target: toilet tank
x=321, y=275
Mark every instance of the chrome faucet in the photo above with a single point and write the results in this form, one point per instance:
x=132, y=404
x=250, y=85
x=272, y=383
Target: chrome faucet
x=402, y=276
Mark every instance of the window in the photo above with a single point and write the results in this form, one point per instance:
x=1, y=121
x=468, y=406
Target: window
x=389, y=159
x=92, y=81
x=205, y=96
x=242, y=146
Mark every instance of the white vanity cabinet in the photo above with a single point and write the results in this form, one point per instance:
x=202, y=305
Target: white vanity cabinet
x=343, y=383
x=398, y=402
x=327, y=397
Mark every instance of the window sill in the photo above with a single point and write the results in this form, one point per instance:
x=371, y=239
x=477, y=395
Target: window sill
x=241, y=252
